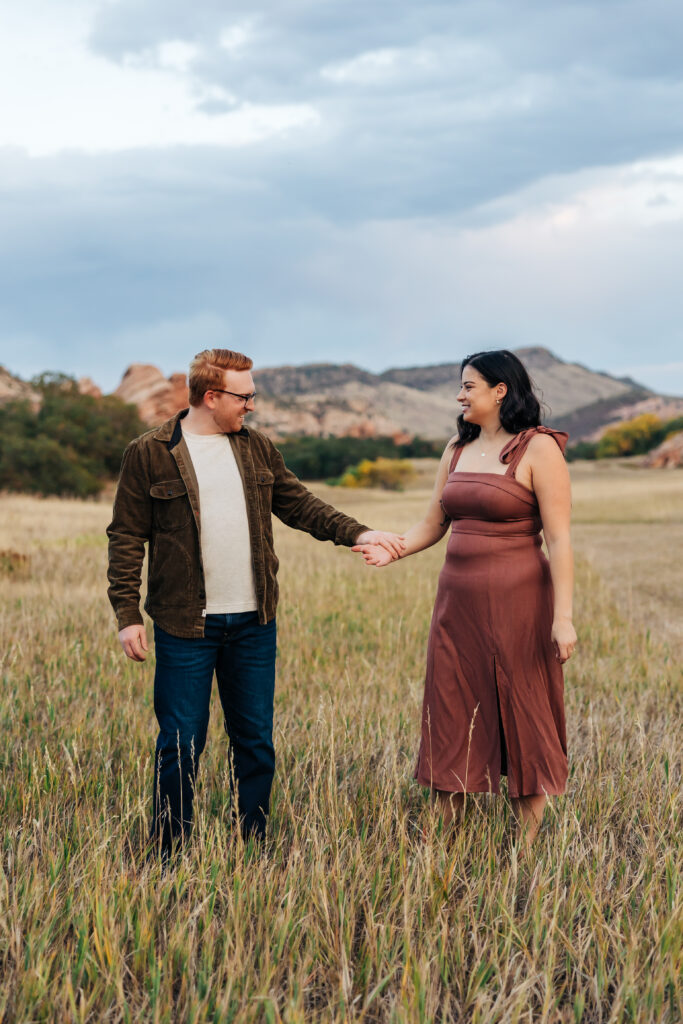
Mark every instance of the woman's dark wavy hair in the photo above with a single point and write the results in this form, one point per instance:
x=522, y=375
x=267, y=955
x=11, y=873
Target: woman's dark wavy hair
x=519, y=409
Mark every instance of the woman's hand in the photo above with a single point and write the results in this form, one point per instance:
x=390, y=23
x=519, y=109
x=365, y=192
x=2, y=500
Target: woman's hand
x=374, y=554
x=393, y=543
x=563, y=636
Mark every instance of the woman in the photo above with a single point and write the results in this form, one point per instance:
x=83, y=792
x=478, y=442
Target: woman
x=502, y=622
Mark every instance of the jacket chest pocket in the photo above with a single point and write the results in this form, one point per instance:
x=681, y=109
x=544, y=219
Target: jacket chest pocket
x=170, y=505
x=264, y=483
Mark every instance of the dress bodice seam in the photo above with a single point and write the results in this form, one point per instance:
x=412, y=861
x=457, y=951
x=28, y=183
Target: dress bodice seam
x=503, y=476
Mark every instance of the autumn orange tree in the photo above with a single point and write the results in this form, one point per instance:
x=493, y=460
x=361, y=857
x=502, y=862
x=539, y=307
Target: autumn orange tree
x=634, y=437
x=388, y=474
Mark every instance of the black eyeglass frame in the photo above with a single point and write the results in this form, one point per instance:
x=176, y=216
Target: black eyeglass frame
x=245, y=398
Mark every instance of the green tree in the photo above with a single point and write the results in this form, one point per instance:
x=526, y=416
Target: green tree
x=71, y=445
x=582, y=450
x=322, y=458
x=673, y=426
x=40, y=465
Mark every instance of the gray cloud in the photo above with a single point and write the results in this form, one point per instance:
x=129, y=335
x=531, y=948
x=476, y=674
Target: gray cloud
x=151, y=257
x=372, y=237
x=482, y=97
x=619, y=36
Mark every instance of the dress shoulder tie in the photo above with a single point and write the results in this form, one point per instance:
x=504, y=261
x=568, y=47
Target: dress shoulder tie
x=514, y=450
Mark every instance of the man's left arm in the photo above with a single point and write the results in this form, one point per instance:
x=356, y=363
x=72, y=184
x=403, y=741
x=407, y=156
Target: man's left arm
x=296, y=506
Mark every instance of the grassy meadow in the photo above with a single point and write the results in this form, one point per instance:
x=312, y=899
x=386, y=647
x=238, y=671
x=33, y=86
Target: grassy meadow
x=361, y=908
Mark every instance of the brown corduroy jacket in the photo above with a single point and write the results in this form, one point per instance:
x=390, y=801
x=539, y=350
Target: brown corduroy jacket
x=157, y=501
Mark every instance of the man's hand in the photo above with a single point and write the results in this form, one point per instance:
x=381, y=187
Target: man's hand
x=394, y=543
x=133, y=639
x=374, y=554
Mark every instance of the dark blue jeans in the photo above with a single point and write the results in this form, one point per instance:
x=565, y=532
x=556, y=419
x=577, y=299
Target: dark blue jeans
x=242, y=654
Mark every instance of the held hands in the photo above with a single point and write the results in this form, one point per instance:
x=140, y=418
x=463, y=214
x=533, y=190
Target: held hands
x=379, y=547
x=133, y=639
x=563, y=636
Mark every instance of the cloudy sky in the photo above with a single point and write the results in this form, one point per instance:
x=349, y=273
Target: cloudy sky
x=386, y=183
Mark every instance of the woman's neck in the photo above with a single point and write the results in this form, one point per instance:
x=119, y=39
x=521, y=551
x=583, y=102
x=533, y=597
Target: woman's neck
x=489, y=433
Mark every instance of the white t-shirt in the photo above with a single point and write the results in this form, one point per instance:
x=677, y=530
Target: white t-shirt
x=226, y=547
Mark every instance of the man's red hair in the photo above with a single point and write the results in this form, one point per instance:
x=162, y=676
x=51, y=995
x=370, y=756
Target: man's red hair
x=206, y=370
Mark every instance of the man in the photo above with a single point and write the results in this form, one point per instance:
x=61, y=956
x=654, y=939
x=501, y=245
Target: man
x=200, y=490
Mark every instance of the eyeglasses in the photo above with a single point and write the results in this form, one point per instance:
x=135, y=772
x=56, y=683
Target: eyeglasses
x=243, y=398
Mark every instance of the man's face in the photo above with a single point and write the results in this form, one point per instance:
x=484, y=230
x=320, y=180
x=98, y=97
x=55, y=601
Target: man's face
x=228, y=412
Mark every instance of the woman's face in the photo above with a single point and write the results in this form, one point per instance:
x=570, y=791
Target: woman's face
x=480, y=402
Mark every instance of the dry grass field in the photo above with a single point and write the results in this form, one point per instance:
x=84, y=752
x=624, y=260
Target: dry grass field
x=361, y=909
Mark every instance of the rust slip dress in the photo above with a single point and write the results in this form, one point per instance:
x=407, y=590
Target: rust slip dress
x=494, y=693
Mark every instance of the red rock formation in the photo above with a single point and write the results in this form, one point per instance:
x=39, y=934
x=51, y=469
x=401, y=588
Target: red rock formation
x=86, y=386
x=667, y=455
x=401, y=437
x=362, y=429
x=156, y=397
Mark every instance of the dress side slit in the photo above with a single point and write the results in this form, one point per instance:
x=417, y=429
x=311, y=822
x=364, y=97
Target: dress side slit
x=501, y=727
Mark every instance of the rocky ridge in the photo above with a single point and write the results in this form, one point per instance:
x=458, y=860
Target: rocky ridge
x=328, y=399
x=12, y=389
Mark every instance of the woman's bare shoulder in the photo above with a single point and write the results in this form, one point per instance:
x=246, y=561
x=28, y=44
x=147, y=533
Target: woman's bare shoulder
x=546, y=460
x=545, y=446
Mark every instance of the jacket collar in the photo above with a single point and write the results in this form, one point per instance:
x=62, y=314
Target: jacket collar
x=171, y=431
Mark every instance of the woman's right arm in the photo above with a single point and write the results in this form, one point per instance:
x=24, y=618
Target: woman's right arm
x=428, y=530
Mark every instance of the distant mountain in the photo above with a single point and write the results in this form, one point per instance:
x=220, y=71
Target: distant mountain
x=329, y=399
x=311, y=378
x=563, y=387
